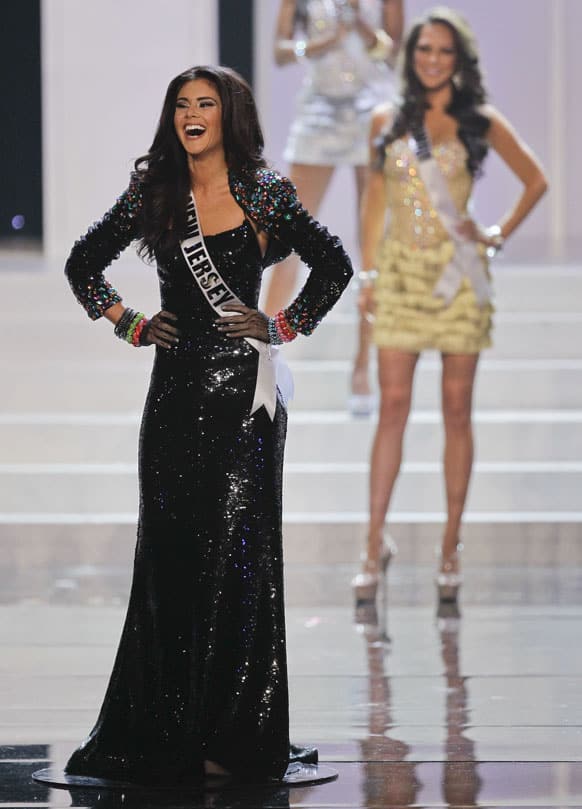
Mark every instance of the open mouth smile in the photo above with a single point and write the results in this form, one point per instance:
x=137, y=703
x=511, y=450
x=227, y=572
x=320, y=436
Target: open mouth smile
x=194, y=131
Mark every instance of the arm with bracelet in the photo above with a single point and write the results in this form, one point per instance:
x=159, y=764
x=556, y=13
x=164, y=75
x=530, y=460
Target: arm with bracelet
x=381, y=42
x=290, y=47
x=94, y=252
x=271, y=202
x=373, y=214
x=520, y=159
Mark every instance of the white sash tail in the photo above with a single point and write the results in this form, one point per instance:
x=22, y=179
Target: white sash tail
x=466, y=260
x=272, y=370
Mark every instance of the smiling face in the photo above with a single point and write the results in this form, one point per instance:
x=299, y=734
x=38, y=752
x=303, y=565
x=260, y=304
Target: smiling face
x=198, y=117
x=435, y=56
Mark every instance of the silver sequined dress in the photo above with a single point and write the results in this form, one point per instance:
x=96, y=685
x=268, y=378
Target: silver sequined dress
x=339, y=92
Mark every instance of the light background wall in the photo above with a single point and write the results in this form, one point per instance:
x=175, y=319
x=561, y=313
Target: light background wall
x=106, y=66
x=531, y=55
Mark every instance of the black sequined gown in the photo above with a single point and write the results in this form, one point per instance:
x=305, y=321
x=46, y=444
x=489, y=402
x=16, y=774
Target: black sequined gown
x=201, y=668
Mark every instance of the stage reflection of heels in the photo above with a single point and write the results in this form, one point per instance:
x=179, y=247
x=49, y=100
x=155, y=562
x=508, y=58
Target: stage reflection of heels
x=365, y=584
x=448, y=614
x=449, y=579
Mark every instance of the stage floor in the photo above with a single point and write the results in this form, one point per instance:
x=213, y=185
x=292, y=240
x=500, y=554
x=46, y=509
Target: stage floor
x=411, y=707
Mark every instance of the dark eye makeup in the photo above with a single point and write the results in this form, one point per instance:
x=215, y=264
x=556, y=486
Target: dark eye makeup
x=203, y=102
x=428, y=48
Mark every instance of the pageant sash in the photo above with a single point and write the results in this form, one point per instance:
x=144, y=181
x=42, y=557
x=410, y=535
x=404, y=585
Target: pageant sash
x=271, y=368
x=467, y=259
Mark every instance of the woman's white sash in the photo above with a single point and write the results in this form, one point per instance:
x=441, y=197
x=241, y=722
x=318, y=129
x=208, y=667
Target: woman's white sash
x=271, y=368
x=467, y=259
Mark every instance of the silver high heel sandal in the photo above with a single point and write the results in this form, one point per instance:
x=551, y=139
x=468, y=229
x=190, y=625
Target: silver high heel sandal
x=365, y=584
x=361, y=405
x=448, y=580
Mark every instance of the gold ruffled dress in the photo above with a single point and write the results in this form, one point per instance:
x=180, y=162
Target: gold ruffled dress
x=413, y=255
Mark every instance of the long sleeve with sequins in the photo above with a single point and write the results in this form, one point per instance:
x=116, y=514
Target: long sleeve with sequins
x=102, y=244
x=271, y=200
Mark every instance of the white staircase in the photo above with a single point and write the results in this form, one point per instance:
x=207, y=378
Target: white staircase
x=72, y=398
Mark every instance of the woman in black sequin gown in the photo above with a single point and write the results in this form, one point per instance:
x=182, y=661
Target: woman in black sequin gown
x=200, y=679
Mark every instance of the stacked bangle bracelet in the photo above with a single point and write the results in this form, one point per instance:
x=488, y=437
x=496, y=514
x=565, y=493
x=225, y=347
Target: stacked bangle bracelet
x=137, y=332
x=130, y=327
x=366, y=278
x=496, y=236
x=274, y=338
x=279, y=329
x=299, y=49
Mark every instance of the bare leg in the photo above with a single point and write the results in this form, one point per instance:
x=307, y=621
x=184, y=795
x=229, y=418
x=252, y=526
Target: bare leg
x=457, y=396
x=360, y=384
x=396, y=375
x=360, y=380
x=311, y=183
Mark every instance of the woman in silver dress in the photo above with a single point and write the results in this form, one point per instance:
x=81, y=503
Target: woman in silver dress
x=347, y=46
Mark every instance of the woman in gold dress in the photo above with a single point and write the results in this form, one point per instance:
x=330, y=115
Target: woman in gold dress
x=414, y=281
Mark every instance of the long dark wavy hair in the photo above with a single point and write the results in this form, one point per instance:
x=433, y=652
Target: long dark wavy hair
x=468, y=89
x=163, y=171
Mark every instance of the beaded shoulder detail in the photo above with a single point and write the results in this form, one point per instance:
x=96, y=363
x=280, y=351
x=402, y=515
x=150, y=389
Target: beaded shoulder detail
x=265, y=195
x=271, y=200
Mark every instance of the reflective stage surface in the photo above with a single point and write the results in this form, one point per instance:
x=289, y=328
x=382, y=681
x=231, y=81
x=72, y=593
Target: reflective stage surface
x=413, y=706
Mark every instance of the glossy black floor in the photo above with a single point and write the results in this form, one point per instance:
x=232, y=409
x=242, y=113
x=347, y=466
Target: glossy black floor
x=413, y=706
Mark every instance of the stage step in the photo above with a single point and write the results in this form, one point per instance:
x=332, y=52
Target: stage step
x=314, y=436
x=516, y=335
x=73, y=396
x=309, y=488
x=86, y=546
x=517, y=287
x=51, y=385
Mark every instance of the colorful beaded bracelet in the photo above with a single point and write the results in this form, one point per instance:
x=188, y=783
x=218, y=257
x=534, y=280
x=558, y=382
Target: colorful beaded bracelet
x=285, y=331
x=274, y=338
x=133, y=325
x=138, y=331
x=130, y=326
x=279, y=329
